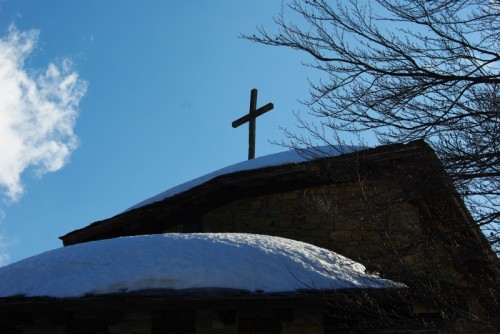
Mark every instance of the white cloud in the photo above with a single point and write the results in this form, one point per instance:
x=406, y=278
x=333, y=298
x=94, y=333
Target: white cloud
x=37, y=113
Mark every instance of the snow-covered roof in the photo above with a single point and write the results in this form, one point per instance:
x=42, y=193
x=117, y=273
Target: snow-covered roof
x=184, y=261
x=281, y=158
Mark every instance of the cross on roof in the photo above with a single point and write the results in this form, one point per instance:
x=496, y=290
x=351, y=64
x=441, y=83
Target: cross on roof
x=251, y=119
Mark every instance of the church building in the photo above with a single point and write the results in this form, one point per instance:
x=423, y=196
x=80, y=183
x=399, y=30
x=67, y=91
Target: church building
x=392, y=209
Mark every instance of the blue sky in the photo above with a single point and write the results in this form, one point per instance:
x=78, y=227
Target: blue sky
x=151, y=90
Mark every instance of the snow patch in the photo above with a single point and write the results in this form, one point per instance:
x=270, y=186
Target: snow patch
x=184, y=261
x=277, y=159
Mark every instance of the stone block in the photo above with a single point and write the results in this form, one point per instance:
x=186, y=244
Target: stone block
x=289, y=208
x=290, y=195
x=323, y=240
x=319, y=233
x=348, y=250
x=256, y=204
x=349, y=225
x=410, y=260
x=341, y=236
x=261, y=222
x=283, y=222
x=370, y=236
x=292, y=328
x=43, y=329
x=356, y=235
x=313, y=219
x=307, y=227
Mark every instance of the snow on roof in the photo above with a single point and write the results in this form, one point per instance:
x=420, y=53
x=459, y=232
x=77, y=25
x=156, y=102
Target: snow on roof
x=277, y=159
x=183, y=261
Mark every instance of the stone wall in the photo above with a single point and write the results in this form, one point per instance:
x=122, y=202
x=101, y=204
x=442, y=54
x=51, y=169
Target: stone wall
x=223, y=321
x=370, y=222
x=342, y=311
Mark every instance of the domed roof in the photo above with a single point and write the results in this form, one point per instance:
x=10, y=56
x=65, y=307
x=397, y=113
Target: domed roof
x=184, y=261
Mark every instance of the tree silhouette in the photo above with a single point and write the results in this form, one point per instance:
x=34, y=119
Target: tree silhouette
x=406, y=70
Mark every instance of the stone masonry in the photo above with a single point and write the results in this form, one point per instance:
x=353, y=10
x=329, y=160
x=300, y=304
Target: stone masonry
x=367, y=222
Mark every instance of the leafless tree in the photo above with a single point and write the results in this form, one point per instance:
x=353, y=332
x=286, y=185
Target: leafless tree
x=405, y=70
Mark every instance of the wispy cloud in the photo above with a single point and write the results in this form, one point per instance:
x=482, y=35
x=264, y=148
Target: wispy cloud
x=38, y=110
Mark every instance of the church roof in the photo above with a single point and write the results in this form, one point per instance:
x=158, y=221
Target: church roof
x=278, y=159
x=274, y=173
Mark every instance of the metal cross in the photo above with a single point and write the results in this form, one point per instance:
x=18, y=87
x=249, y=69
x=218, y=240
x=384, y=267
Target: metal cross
x=251, y=119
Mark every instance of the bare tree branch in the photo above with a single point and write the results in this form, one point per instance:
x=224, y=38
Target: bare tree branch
x=407, y=69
